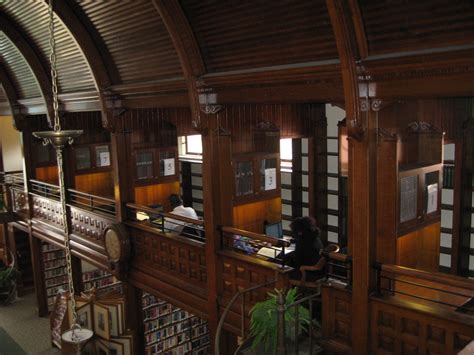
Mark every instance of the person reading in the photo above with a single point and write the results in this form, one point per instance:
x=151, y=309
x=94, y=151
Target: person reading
x=176, y=203
x=308, y=245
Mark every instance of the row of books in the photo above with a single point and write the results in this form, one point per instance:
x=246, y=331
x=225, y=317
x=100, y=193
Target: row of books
x=171, y=330
x=54, y=266
x=53, y=254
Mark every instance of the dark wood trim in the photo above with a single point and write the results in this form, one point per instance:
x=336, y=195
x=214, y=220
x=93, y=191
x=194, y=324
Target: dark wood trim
x=457, y=206
x=358, y=22
x=343, y=32
x=25, y=46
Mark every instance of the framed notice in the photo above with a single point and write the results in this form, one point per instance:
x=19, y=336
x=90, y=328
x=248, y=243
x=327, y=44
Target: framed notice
x=408, y=198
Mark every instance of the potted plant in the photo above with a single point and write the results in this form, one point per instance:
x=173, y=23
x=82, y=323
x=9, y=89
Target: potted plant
x=8, y=277
x=264, y=321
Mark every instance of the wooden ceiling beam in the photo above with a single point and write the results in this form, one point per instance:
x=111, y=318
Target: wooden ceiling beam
x=348, y=55
x=186, y=47
x=30, y=54
x=359, y=29
x=9, y=90
x=103, y=68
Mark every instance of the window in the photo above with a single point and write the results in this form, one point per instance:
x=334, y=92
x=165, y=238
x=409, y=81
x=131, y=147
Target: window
x=286, y=153
x=194, y=144
x=102, y=155
x=83, y=158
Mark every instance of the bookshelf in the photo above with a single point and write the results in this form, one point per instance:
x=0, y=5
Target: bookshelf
x=55, y=275
x=99, y=279
x=169, y=330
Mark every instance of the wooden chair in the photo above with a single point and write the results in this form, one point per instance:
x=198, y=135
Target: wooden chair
x=319, y=266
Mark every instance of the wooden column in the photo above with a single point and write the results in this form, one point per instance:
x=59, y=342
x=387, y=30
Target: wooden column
x=362, y=224
x=217, y=175
x=38, y=275
x=462, y=246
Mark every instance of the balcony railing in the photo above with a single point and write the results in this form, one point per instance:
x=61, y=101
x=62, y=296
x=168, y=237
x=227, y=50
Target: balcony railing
x=167, y=222
x=92, y=203
x=452, y=292
x=43, y=189
x=255, y=244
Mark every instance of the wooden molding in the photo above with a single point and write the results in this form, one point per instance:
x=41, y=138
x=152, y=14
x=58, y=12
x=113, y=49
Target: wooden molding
x=30, y=54
x=359, y=30
x=343, y=29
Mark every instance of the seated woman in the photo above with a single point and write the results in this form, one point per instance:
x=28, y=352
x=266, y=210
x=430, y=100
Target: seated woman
x=308, y=246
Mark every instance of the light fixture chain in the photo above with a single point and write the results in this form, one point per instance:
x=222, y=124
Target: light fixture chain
x=54, y=73
x=62, y=193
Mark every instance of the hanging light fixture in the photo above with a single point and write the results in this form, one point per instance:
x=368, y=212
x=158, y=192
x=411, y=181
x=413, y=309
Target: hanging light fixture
x=59, y=138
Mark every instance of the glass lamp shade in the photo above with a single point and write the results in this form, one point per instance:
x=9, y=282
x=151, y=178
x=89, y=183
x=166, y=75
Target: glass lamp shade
x=77, y=337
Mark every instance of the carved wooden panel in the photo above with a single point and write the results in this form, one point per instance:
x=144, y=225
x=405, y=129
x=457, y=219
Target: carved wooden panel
x=397, y=329
x=238, y=274
x=336, y=320
x=175, y=258
x=48, y=211
x=19, y=201
x=89, y=224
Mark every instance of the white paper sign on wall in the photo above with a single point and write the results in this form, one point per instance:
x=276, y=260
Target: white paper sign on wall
x=270, y=179
x=432, y=203
x=104, y=158
x=169, y=166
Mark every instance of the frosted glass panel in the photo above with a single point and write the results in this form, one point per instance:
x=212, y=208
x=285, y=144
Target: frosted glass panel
x=446, y=219
x=196, y=180
x=304, y=163
x=333, y=165
x=447, y=196
x=286, y=194
x=304, y=145
x=446, y=240
x=333, y=184
x=332, y=220
x=445, y=260
x=333, y=237
x=333, y=202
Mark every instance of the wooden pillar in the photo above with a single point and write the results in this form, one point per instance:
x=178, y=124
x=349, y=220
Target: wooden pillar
x=463, y=244
x=217, y=175
x=38, y=275
x=362, y=225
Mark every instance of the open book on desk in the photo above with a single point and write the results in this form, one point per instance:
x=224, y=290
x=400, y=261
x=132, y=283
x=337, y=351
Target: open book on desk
x=274, y=252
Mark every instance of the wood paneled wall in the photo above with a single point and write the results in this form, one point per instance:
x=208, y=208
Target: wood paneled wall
x=47, y=174
x=447, y=114
x=250, y=216
x=153, y=194
x=160, y=126
x=292, y=120
x=100, y=184
x=420, y=249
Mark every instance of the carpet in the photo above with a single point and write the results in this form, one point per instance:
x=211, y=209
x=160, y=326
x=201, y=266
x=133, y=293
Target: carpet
x=8, y=346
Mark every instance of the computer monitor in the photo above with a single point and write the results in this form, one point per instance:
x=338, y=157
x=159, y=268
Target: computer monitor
x=274, y=230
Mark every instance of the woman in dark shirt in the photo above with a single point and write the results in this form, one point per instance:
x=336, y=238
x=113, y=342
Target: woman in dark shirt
x=308, y=245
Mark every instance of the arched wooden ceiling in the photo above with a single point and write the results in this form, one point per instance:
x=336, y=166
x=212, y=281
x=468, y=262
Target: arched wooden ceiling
x=280, y=50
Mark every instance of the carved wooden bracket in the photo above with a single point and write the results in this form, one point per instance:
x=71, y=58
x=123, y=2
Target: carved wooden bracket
x=385, y=135
x=112, y=109
x=422, y=127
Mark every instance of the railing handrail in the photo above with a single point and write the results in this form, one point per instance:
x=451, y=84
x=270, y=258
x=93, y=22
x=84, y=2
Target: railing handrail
x=262, y=237
x=42, y=183
x=451, y=280
x=88, y=195
x=165, y=214
x=234, y=298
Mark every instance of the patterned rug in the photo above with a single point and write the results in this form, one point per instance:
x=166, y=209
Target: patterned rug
x=8, y=346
